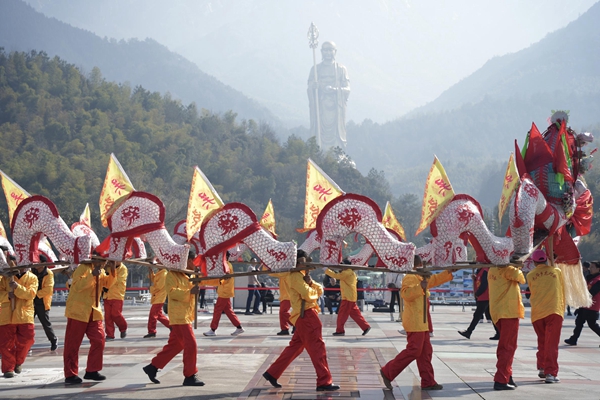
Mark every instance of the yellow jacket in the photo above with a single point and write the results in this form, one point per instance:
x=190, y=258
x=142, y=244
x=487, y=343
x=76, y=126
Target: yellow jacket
x=181, y=301
x=505, y=293
x=158, y=290
x=284, y=285
x=225, y=287
x=299, y=290
x=117, y=290
x=47, y=289
x=414, y=304
x=547, y=292
x=24, y=295
x=83, y=293
x=347, y=280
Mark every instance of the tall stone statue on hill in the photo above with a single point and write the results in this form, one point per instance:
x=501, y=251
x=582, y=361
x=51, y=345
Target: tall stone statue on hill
x=328, y=92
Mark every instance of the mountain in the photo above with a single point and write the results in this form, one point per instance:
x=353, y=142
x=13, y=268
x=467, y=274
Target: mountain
x=137, y=62
x=473, y=125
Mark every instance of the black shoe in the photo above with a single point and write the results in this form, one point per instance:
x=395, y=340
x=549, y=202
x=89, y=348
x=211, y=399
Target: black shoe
x=271, y=380
x=150, y=335
x=328, y=388
x=386, y=381
x=247, y=313
x=503, y=386
x=94, y=376
x=511, y=382
x=73, y=380
x=53, y=345
x=9, y=374
x=192, y=381
x=339, y=333
x=466, y=334
x=151, y=371
x=571, y=342
x=495, y=337
x=257, y=312
x=283, y=332
x=110, y=338
x=366, y=331
x=123, y=334
x=18, y=369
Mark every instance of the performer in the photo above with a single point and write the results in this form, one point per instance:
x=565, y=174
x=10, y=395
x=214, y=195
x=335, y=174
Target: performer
x=84, y=316
x=588, y=314
x=16, y=325
x=415, y=294
x=284, y=302
x=225, y=291
x=43, y=300
x=182, y=304
x=159, y=294
x=506, y=307
x=304, y=296
x=547, y=312
x=113, y=303
x=348, y=306
x=482, y=301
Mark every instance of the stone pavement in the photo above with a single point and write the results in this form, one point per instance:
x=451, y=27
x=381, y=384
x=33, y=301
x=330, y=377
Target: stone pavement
x=232, y=366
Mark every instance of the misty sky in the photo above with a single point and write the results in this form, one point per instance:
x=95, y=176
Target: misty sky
x=399, y=54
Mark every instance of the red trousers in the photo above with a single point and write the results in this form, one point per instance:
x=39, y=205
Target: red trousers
x=181, y=338
x=156, y=314
x=548, y=334
x=350, y=309
x=418, y=347
x=507, y=345
x=223, y=305
x=73, y=338
x=284, y=314
x=16, y=340
x=113, y=314
x=308, y=336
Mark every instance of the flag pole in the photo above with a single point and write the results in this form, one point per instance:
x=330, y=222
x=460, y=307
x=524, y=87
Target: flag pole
x=313, y=42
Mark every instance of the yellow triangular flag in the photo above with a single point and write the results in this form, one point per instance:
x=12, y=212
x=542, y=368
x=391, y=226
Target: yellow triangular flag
x=116, y=189
x=85, y=217
x=2, y=231
x=391, y=222
x=268, y=219
x=203, y=200
x=438, y=193
x=320, y=190
x=14, y=194
x=511, y=179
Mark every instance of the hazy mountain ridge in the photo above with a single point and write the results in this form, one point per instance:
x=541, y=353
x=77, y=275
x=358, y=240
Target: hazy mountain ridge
x=146, y=63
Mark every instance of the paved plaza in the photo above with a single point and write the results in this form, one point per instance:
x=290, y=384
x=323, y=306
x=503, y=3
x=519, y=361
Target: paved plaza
x=232, y=366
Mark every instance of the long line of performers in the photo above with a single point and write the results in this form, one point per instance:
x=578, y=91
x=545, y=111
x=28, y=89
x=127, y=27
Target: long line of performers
x=29, y=293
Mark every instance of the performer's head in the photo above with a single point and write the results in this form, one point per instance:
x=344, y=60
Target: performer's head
x=328, y=51
x=539, y=257
x=43, y=259
x=190, y=260
x=418, y=262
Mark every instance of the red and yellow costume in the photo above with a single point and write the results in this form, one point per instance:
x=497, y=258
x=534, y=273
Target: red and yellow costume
x=113, y=303
x=181, y=313
x=159, y=295
x=16, y=327
x=348, y=307
x=225, y=291
x=547, y=310
x=506, y=308
x=284, y=300
x=84, y=317
x=417, y=331
x=308, y=330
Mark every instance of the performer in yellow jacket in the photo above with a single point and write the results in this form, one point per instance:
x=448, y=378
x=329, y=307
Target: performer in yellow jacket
x=225, y=291
x=304, y=296
x=415, y=294
x=159, y=295
x=113, y=303
x=16, y=325
x=348, y=306
x=284, y=302
x=547, y=313
x=43, y=300
x=84, y=317
x=506, y=307
x=181, y=294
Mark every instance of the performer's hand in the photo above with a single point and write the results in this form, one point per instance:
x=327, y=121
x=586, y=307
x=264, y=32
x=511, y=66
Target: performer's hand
x=11, y=295
x=13, y=285
x=424, y=284
x=308, y=279
x=96, y=270
x=195, y=290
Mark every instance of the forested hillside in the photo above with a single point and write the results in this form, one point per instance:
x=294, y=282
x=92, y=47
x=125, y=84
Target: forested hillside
x=58, y=127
